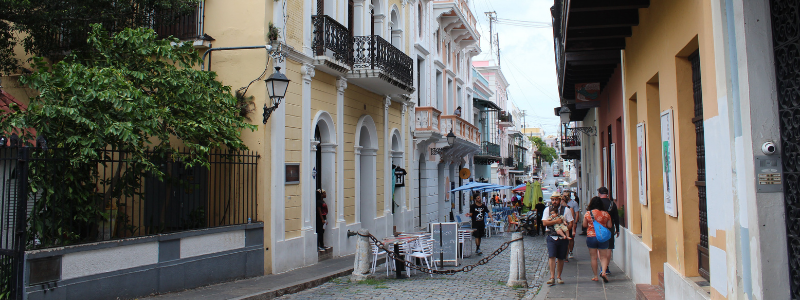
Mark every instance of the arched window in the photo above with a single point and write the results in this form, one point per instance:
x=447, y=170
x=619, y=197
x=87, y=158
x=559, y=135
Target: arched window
x=395, y=28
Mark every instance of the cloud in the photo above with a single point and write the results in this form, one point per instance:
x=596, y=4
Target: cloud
x=526, y=56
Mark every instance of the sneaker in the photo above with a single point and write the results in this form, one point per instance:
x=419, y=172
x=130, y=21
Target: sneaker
x=320, y=249
x=559, y=281
x=570, y=255
x=478, y=252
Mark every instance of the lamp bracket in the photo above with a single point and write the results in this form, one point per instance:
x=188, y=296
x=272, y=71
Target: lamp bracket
x=590, y=131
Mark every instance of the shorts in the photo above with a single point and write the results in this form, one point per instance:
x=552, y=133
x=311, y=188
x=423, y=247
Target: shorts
x=480, y=230
x=557, y=248
x=591, y=242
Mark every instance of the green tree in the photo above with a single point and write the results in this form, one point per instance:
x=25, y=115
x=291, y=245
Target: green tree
x=547, y=153
x=136, y=94
x=54, y=28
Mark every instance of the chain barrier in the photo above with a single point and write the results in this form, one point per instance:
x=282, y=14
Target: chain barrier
x=408, y=264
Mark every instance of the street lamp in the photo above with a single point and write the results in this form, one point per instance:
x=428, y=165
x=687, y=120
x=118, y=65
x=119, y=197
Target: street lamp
x=277, y=83
x=565, y=113
x=451, y=140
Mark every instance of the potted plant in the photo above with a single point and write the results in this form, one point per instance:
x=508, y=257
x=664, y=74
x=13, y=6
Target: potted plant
x=273, y=33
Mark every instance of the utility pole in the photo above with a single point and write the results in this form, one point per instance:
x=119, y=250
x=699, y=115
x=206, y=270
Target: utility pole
x=493, y=40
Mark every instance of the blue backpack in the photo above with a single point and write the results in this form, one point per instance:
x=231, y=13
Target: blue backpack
x=600, y=232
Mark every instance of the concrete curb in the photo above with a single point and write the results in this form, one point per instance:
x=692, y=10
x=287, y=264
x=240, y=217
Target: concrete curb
x=291, y=289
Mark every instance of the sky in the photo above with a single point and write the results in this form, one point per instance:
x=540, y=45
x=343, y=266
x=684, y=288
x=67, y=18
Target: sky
x=527, y=57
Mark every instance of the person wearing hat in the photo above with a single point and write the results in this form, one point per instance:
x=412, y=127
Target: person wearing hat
x=611, y=207
x=556, y=245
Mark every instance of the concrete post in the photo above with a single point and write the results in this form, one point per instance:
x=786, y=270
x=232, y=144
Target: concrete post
x=516, y=275
x=362, y=263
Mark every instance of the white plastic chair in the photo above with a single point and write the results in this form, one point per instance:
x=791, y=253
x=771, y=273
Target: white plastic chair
x=376, y=253
x=465, y=238
x=424, y=253
x=406, y=249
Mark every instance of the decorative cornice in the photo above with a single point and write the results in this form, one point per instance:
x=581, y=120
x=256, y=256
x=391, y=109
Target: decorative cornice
x=387, y=102
x=295, y=55
x=308, y=72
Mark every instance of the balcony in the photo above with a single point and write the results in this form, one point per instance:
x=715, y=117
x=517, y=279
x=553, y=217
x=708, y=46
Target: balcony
x=332, y=45
x=427, y=123
x=458, y=21
x=184, y=25
x=505, y=119
x=461, y=128
x=468, y=139
x=378, y=66
x=571, y=144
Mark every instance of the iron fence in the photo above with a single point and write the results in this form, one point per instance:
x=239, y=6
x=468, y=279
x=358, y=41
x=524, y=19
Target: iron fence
x=374, y=52
x=182, y=24
x=490, y=149
x=332, y=38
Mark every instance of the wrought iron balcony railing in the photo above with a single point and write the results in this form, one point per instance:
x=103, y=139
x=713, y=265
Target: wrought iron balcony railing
x=490, y=149
x=332, y=39
x=374, y=52
x=183, y=25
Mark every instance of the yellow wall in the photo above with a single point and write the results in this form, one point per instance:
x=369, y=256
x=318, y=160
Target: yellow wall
x=656, y=72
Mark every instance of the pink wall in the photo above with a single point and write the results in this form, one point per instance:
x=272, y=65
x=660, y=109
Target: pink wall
x=610, y=112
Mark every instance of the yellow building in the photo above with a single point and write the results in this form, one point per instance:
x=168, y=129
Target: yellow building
x=686, y=89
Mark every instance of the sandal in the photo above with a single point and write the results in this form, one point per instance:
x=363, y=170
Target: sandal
x=595, y=279
x=605, y=278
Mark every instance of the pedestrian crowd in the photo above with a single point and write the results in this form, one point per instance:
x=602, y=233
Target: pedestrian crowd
x=558, y=221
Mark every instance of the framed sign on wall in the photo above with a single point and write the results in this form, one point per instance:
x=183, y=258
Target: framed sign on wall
x=641, y=152
x=668, y=164
x=292, y=173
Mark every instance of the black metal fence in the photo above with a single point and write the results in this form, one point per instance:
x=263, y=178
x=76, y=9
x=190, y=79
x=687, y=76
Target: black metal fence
x=181, y=24
x=47, y=199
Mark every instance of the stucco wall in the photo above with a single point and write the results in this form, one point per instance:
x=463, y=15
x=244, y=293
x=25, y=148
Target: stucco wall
x=656, y=75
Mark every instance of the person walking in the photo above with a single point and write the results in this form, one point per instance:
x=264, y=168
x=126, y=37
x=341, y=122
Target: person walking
x=539, y=211
x=611, y=208
x=596, y=212
x=573, y=206
x=556, y=245
x=322, y=218
x=477, y=213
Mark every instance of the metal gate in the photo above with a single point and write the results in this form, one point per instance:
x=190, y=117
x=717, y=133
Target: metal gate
x=786, y=42
x=13, y=211
x=697, y=91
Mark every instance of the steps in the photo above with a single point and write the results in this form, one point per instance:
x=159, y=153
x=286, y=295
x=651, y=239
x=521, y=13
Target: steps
x=651, y=292
x=325, y=254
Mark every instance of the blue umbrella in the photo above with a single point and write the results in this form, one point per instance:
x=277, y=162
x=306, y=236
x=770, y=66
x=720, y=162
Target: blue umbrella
x=469, y=186
x=489, y=187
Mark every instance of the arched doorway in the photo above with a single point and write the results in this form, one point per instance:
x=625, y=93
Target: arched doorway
x=395, y=28
x=376, y=17
x=366, y=151
x=323, y=162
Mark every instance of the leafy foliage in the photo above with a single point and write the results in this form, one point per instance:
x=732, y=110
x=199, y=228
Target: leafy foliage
x=137, y=95
x=51, y=29
x=548, y=154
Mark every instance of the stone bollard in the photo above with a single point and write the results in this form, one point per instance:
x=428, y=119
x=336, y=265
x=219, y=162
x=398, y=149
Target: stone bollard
x=516, y=275
x=362, y=264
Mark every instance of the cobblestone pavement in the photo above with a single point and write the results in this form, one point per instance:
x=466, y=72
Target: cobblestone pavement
x=487, y=281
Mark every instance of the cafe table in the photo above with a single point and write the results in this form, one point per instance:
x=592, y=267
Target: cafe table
x=399, y=263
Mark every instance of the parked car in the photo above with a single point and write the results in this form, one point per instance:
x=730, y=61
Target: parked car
x=556, y=173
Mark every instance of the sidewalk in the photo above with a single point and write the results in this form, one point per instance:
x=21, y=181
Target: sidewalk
x=577, y=276
x=269, y=286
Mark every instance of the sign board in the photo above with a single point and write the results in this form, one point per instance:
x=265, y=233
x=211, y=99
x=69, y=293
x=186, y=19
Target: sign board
x=605, y=167
x=445, y=236
x=613, y=166
x=464, y=173
x=668, y=162
x=641, y=152
x=768, y=174
x=586, y=95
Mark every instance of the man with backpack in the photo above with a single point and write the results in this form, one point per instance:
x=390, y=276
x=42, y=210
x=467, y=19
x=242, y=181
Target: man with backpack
x=557, y=246
x=611, y=207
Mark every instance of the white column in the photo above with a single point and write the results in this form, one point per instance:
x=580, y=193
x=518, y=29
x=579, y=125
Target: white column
x=358, y=19
x=387, y=165
x=306, y=164
x=341, y=85
x=357, y=179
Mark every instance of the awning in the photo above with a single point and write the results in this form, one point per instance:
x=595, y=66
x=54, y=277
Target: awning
x=486, y=103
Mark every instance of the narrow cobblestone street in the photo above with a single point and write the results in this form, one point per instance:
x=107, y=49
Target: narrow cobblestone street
x=484, y=281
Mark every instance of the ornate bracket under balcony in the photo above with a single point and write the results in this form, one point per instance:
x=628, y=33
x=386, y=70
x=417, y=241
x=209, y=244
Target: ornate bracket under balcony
x=332, y=45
